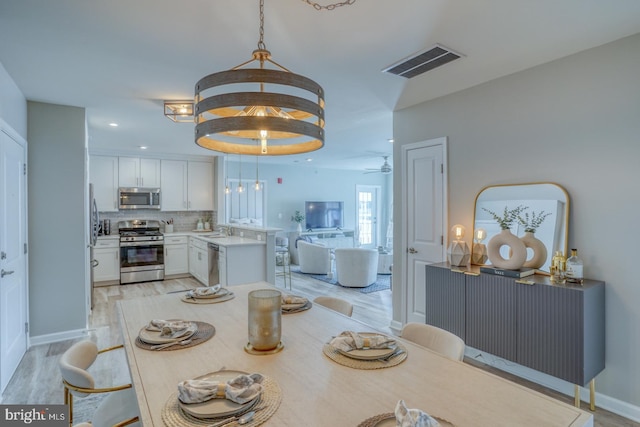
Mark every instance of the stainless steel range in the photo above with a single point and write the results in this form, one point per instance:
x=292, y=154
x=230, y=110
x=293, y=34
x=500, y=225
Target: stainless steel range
x=141, y=251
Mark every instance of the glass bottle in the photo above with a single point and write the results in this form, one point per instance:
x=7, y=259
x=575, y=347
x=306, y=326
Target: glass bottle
x=574, y=268
x=558, y=268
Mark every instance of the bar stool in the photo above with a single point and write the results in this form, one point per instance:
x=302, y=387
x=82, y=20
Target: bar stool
x=283, y=259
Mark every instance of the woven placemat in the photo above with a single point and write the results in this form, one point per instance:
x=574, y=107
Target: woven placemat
x=333, y=354
x=373, y=421
x=305, y=307
x=205, y=332
x=227, y=297
x=377, y=419
x=174, y=416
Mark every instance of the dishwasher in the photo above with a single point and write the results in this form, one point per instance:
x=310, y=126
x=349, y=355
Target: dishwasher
x=214, y=264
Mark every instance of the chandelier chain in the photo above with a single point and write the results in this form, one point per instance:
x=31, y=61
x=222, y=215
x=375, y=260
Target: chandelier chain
x=261, y=44
x=317, y=6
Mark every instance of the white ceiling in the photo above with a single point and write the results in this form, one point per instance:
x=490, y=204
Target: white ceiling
x=121, y=58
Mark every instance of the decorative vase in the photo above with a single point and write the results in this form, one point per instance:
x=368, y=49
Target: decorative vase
x=539, y=250
x=299, y=228
x=517, y=250
x=265, y=319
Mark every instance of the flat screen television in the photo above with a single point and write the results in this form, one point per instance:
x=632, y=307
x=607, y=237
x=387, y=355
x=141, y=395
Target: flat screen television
x=323, y=215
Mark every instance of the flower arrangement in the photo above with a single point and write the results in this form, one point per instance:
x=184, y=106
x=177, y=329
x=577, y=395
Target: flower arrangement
x=297, y=217
x=532, y=223
x=509, y=216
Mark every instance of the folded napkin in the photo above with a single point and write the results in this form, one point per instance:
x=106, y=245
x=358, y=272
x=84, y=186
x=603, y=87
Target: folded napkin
x=293, y=299
x=349, y=340
x=203, y=291
x=169, y=328
x=406, y=417
x=241, y=389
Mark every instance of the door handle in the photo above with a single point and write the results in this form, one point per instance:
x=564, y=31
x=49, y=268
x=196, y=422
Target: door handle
x=95, y=263
x=5, y=273
x=412, y=251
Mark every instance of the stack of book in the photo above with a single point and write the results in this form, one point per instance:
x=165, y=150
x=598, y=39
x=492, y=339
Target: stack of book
x=518, y=274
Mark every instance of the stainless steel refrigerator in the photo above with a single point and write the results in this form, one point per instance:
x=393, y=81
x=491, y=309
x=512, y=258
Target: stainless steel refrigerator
x=94, y=225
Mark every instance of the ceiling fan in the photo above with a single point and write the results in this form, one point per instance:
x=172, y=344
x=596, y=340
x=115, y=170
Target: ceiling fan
x=384, y=169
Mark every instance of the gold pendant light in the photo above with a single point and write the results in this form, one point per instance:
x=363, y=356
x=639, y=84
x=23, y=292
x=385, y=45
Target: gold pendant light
x=273, y=119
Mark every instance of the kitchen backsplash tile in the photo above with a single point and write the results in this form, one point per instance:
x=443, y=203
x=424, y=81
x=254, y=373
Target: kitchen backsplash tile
x=182, y=220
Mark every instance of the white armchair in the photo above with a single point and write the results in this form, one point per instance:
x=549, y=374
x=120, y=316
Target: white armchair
x=356, y=267
x=313, y=258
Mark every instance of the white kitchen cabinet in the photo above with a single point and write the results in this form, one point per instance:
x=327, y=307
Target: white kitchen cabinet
x=107, y=253
x=103, y=174
x=199, y=260
x=176, y=255
x=138, y=172
x=242, y=264
x=173, y=184
x=186, y=185
x=200, y=186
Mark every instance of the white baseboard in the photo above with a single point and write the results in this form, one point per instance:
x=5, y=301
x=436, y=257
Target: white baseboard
x=396, y=326
x=611, y=404
x=58, y=336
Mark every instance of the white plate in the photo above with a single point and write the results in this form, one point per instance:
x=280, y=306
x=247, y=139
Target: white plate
x=294, y=306
x=153, y=337
x=221, y=293
x=369, y=353
x=216, y=408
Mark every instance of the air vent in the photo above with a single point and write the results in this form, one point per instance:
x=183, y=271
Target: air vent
x=422, y=62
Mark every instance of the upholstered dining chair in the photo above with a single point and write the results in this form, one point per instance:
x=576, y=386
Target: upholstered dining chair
x=118, y=408
x=436, y=339
x=335, y=304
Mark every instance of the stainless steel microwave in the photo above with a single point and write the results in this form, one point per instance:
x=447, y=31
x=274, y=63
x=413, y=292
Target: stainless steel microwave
x=139, y=198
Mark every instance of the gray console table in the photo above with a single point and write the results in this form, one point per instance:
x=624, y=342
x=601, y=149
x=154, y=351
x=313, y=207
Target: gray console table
x=555, y=329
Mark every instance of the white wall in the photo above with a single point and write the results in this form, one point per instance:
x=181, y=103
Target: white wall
x=576, y=122
x=57, y=232
x=13, y=105
x=305, y=182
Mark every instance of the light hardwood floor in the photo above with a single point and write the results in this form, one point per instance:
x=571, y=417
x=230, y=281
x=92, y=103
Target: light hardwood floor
x=37, y=380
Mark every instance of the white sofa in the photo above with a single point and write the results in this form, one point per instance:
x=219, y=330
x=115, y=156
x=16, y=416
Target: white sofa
x=356, y=267
x=313, y=258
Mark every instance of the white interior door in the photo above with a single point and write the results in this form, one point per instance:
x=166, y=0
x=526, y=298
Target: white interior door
x=368, y=212
x=423, y=172
x=13, y=283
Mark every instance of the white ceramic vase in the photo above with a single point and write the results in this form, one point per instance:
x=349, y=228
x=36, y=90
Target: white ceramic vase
x=299, y=228
x=518, y=251
x=539, y=250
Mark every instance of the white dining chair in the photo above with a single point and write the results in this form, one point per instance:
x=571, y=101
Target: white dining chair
x=118, y=408
x=436, y=339
x=335, y=304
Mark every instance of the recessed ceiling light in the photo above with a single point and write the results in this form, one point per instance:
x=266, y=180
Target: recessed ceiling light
x=142, y=147
x=309, y=159
x=390, y=140
x=113, y=125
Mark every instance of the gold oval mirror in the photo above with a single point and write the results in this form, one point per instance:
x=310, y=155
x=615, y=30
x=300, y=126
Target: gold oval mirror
x=545, y=197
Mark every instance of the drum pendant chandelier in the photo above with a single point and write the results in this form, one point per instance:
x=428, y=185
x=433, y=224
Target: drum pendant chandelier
x=276, y=112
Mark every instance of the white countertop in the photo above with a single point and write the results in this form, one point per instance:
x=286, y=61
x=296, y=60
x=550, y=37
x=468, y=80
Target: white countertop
x=109, y=237
x=222, y=241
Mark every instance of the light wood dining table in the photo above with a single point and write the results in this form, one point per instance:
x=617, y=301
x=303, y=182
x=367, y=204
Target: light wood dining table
x=317, y=391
